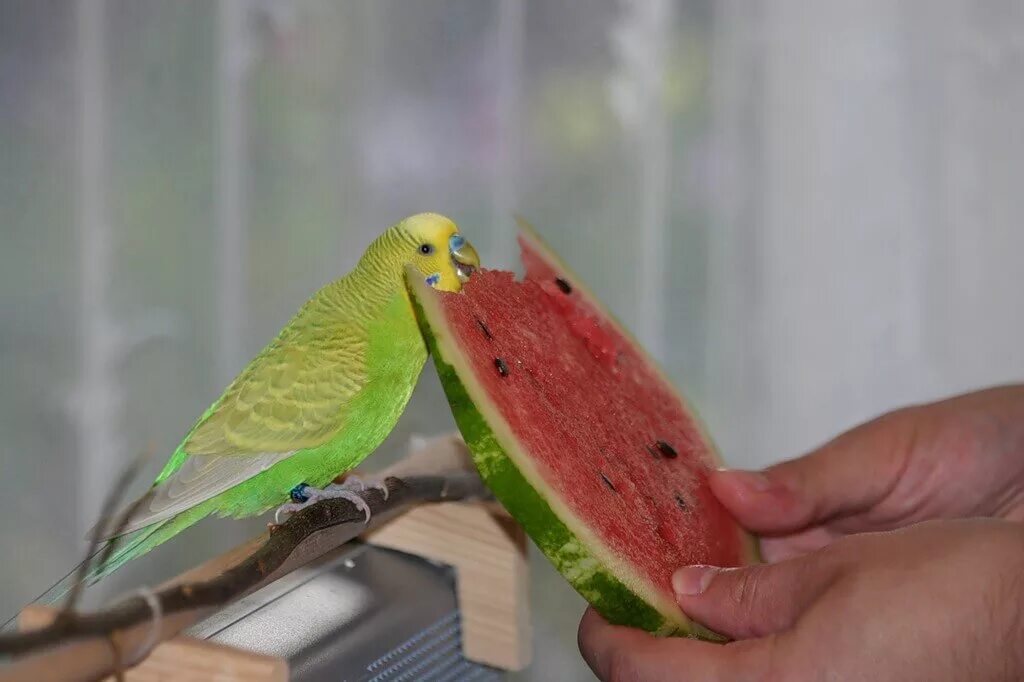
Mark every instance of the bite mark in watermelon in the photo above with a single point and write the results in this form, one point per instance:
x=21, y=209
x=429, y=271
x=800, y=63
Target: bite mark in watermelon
x=581, y=437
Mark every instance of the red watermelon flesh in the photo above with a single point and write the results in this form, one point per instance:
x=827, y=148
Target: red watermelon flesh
x=591, y=425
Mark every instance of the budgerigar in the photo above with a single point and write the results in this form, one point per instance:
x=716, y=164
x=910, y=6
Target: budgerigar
x=316, y=401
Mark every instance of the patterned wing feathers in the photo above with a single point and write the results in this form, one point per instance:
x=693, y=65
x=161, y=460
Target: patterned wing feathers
x=292, y=396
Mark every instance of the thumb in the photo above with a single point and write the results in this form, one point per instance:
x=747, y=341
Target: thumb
x=754, y=601
x=847, y=476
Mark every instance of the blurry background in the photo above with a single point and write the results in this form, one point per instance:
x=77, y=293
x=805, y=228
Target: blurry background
x=810, y=212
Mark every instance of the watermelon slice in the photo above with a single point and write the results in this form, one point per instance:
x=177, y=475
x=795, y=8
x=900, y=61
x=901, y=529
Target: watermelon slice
x=580, y=437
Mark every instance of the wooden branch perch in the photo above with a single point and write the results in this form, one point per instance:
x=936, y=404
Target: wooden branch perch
x=96, y=644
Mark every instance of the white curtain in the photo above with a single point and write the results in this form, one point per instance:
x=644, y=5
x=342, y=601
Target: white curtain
x=810, y=211
x=869, y=223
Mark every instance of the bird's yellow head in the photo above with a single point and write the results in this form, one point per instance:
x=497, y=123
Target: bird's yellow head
x=438, y=251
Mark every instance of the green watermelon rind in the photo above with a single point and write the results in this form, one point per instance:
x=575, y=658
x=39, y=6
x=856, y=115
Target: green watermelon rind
x=612, y=587
x=532, y=509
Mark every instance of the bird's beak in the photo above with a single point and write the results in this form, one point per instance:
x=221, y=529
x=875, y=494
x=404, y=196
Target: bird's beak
x=464, y=256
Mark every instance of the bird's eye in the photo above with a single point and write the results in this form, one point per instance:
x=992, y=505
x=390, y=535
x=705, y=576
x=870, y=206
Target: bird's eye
x=426, y=249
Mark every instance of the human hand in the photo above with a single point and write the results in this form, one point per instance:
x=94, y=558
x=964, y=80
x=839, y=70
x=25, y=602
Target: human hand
x=962, y=457
x=937, y=601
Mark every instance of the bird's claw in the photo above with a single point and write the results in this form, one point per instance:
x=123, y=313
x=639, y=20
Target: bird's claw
x=286, y=510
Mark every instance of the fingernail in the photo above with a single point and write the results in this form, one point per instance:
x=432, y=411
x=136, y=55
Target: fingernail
x=691, y=580
x=751, y=480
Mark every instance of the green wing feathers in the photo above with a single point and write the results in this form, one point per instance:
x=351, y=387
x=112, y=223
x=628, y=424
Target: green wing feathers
x=344, y=382
x=293, y=396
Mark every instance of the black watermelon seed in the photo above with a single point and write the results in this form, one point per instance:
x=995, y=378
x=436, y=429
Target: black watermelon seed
x=608, y=483
x=654, y=453
x=502, y=367
x=681, y=502
x=484, y=329
x=563, y=285
x=666, y=449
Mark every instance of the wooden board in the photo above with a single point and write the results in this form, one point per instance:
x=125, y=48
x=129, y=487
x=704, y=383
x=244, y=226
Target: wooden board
x=479, y=540
x=183, y=659
x=488, y=551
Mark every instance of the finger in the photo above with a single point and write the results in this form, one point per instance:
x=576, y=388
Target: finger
x=753, y=601
x=620, y=653
x=775, y=549
x=844, y=477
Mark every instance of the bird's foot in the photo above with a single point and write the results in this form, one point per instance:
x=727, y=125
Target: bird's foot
x=358, y=484
x=305, y=495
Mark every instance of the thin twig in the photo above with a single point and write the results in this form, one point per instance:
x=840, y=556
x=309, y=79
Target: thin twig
x=99, y=531
x=270, y=560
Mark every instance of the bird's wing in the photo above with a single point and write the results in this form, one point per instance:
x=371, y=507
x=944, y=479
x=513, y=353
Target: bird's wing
x=292, y=396
x=199, y=478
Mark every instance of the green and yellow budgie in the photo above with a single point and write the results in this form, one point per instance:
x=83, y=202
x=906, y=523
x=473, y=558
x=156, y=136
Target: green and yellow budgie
x=316, y=401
